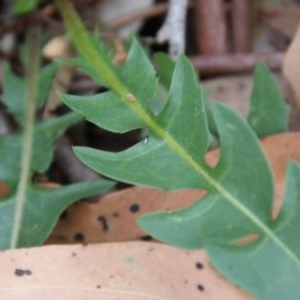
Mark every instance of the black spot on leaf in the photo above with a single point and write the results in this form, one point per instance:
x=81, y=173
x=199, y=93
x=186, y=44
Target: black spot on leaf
x=199, y=265
x=134, y=208
x=146, y=238
x=103, y=222
x=63, y=215
x=21, y=272
x=116, y=214
x=78, y=237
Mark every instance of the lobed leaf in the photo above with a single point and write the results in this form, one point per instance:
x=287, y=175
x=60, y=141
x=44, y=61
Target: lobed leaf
x=160, y=155
x=239, y=188
x=266, y=269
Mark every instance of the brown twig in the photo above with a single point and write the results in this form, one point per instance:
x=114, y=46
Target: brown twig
x=211, y=27
x=240, y=20
x=209, y=65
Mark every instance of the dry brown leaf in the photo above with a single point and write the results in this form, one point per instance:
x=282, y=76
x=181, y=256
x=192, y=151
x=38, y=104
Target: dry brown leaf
x=284, y=20
x=291, y=65
x=235, y=91
x=4, y=189
x=127, y=271
x=113, y=217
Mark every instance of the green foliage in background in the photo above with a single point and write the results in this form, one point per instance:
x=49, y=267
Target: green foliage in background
x=24, y=6
x=42, y=207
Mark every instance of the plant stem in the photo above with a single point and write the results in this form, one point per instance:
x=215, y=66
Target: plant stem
x=82, y=41
x=32, y=68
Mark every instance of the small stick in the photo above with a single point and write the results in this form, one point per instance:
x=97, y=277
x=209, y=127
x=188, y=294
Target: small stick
x=209, y=65
x=240, y=19
x=211, y=27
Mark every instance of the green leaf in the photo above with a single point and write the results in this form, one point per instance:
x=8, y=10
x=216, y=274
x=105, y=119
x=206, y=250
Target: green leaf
x=44, y=83
x=28, y=214
x=175, y=113
x=14, y=93
x=45, y=134
x=24, y=6
x=42, y=209
x=269, y=114
x=264, y=268
x=233, y=207
x=165, y=68
x=14, y=90
x=240, y=188
x=42, y=206
x=124, y=118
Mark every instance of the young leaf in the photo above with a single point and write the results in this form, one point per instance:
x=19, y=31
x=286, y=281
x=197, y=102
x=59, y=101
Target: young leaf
x=269, y=113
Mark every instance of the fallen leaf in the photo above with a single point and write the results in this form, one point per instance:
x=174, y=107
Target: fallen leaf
x=4, y=189
x=127, y=271
x=291, y=65
x=282, y=19
x=113, y=217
